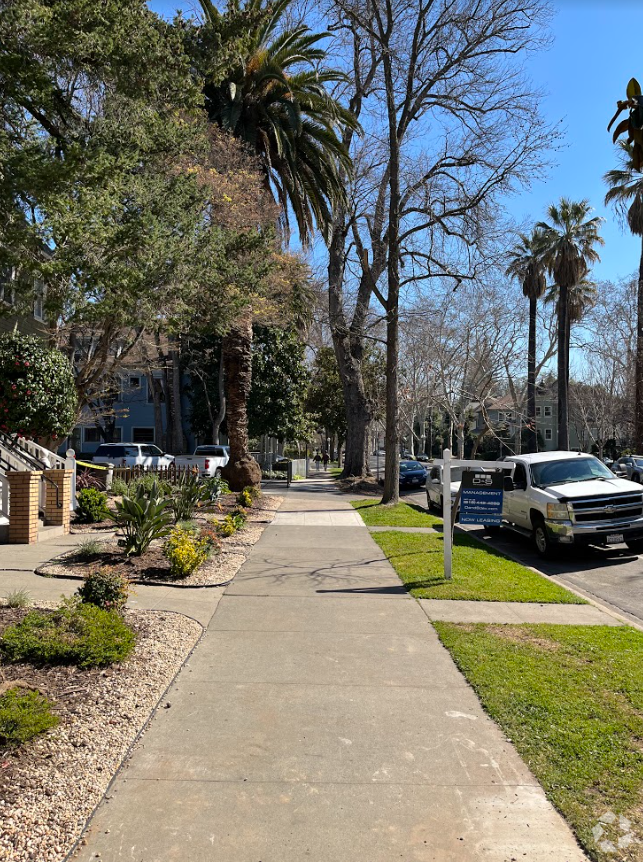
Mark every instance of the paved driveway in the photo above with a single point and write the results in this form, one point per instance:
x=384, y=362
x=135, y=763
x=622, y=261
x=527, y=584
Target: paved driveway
x=614, y=576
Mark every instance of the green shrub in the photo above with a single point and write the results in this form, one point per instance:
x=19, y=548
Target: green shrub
x=76, y=633
x=214, y=487
x=88, y=549
x=143, y=518
x=185, y=552
x=190, y=493
x=106, y=589
x=18, y=599
x=92, y=506
x=119, y=488
x=23, y=715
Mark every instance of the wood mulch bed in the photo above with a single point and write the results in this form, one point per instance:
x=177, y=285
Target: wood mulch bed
x=50, y=785
x=153, y=569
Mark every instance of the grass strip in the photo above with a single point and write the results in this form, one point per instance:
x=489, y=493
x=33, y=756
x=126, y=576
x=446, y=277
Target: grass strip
x=479, y=573
x=374, y=514
x=570, y=698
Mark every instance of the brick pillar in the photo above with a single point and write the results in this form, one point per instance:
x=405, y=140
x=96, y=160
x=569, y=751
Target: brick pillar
x=24, y=498
x=54, y=514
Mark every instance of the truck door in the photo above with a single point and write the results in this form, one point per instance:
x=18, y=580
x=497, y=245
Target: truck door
x=516, y=502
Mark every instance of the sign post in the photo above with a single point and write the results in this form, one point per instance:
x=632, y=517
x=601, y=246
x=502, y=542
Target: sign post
x=481, y=494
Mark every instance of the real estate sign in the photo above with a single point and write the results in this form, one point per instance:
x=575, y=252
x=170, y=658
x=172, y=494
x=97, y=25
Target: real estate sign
x=481, y=497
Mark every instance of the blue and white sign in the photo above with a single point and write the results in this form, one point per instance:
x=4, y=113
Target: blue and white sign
x=481, y=497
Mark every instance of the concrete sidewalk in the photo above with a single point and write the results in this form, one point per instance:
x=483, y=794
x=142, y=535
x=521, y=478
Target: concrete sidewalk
x=321, y=719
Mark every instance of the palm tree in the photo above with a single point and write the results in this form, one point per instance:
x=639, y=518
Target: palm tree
x=568, y=250
x=525, y=264
x=276, y=100
x=626, y=193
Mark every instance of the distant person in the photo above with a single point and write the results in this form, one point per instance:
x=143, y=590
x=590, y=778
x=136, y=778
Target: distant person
x=317, y=459
x=326, y=459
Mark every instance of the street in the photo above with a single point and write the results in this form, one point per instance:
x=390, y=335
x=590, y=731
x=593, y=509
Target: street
x=614, y=576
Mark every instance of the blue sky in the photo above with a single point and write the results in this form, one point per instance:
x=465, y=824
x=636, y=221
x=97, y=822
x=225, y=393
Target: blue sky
x=596, y=49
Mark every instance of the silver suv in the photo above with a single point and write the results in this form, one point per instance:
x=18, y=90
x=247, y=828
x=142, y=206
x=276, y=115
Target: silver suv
x=631, y=466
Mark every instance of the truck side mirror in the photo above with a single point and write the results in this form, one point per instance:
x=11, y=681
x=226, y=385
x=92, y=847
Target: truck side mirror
x=509, y=484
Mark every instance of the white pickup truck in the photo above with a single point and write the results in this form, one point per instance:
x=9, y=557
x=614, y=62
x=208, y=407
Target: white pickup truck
x=570, y=498
x=207, y=459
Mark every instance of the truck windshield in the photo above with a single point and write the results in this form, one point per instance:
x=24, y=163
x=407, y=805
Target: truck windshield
x=572, y=470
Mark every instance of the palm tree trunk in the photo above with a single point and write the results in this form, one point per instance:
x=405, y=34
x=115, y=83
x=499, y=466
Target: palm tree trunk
x=638, y=400
x=563, y=368
x=532, y=437
x=242, y=469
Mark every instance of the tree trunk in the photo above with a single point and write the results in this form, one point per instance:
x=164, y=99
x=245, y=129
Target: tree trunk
x=178, y=443
x=392, y=463
x=216, y=425
x=156, y=388
x=347, y=343
x=563, y=368
x=638, y=397
x=242, y=469
x=532, y=438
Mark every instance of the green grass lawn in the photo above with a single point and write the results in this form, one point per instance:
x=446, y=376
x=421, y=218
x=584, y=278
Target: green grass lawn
x=335, y=471
x=571, y=700
x=401, y=515
x=479, y=572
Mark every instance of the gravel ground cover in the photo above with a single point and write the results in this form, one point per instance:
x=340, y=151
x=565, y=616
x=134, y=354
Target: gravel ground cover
x=50, y=786
x=153, y=569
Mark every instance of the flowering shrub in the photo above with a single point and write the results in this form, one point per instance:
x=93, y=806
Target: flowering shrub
x=232, y=522
x=106, y=589
x=209, y=533
x=245, y=498
x=185, y=552
x=37, y=391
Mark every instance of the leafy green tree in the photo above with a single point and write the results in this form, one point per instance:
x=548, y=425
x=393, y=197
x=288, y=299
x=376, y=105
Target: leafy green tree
x=280, y=380
x=37, y=392
x=525, y=264
x=325, y=399
x=625, y=192
x=569, y=247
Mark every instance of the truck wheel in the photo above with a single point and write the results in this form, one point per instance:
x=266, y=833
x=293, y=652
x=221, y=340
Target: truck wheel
x=542, y=541
x=635, y=546
x=217, y=473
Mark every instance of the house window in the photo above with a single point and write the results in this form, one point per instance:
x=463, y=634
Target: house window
x=91, y=435
x=7, y=293
x=548, y=411
x=134, y=382
x=142, y=435
x=539, y=411
x=548, y=434
x=39, y=301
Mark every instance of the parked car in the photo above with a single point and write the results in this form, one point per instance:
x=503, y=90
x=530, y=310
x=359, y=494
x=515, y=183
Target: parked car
x=132, y=455
x=412, y=474
x=569, y=499
x=630, y=466
x=208, y=459
x=434, y=486
x=423, y=459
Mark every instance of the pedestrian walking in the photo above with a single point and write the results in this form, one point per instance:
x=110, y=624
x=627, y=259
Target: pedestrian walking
x=317, y=459
x=326, y=459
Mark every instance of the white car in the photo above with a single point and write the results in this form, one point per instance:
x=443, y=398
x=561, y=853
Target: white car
x=132, y=455
x=434, y=486
x=208, y=459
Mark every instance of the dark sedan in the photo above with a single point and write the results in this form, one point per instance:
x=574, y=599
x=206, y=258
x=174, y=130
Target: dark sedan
x=412, y=474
